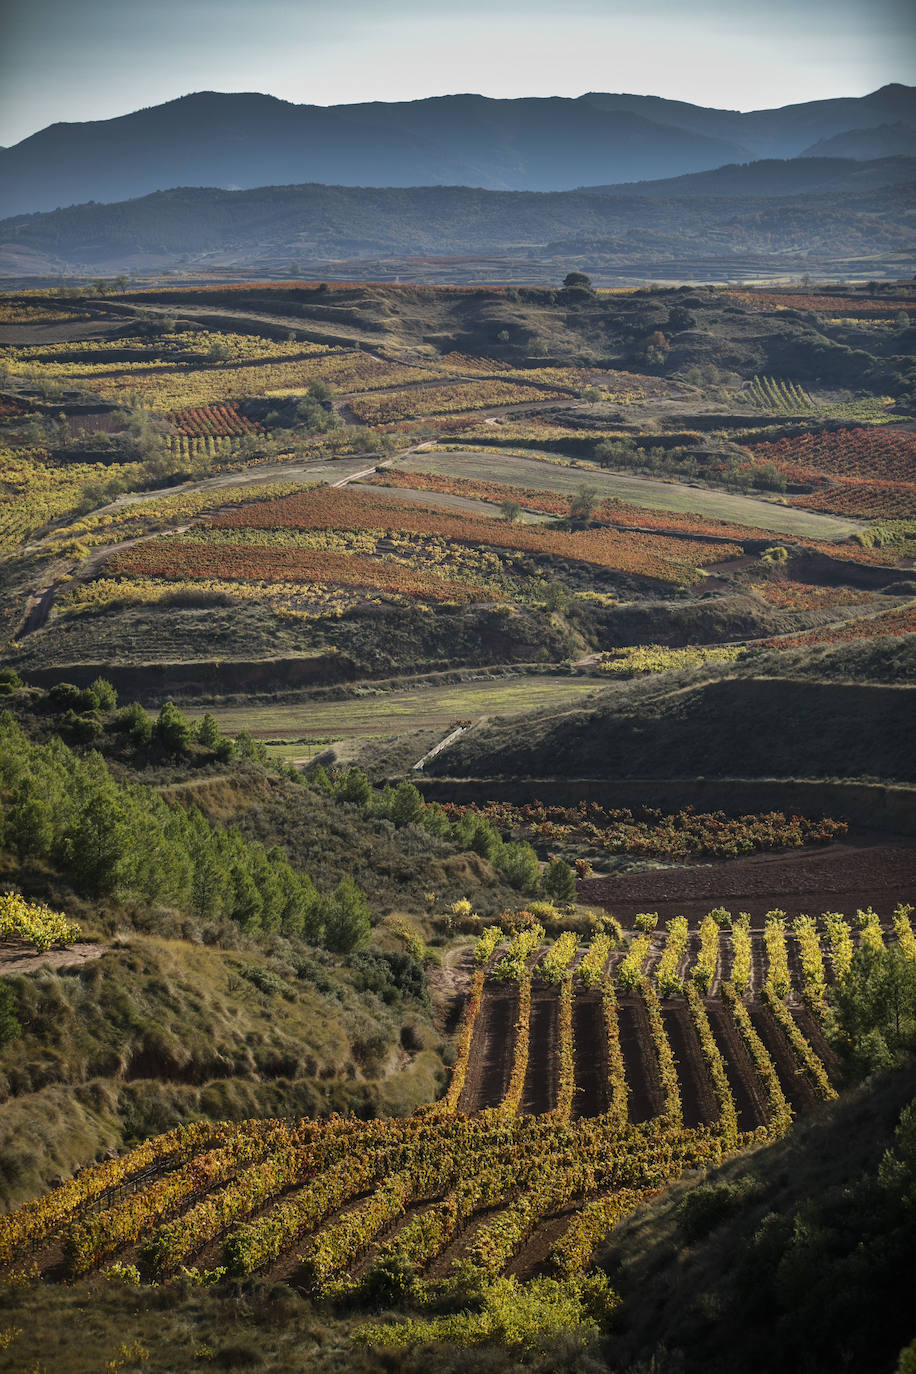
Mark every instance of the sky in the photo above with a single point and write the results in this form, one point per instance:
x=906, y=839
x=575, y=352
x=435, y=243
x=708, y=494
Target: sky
x=76, y=60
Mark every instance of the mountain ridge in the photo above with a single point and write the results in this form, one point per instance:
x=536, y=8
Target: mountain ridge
x=283, y=224
x=249, y=139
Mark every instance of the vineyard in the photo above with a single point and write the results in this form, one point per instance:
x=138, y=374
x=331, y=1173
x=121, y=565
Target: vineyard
x=586, y=1079
x=783, y=398
x=650, y=833
x=220, y=421
x=643, y=554
x=900, y=621
x=849, y=307
x=446, y=400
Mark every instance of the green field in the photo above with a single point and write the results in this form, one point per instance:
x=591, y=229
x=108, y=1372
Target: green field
x=391, y=713
x=492, y=465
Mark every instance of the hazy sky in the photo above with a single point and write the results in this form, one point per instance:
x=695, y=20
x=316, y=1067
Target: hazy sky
x=92, y=59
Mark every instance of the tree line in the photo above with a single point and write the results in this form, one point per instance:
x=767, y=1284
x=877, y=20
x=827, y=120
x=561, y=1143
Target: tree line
x=108, y=838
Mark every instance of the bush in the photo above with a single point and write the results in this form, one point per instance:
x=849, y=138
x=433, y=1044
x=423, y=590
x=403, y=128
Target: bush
x=10, y=1028
x=707, y=1205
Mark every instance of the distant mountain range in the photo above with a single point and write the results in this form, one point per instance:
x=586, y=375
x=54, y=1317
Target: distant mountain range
x=201, y=229
x=776, y=177
x=248, y=140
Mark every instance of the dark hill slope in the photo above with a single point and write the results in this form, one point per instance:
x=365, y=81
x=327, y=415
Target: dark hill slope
x=839, y=173
x=798, y=1257
x=745, y=727
x=279, y=223
x=787, y=131
x=887, y=140
x=246, y=140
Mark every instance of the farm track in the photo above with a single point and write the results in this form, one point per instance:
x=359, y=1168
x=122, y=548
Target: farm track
x=539, y=1094
x=490, y=1060
x=698, y=1100
x=646, y=1097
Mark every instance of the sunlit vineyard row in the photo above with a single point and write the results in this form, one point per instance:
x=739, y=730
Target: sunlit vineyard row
x=782, y=397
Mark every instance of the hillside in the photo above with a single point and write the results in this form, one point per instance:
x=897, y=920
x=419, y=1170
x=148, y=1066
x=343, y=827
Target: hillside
x=317, y=1053
x=887, y=140
x=675, y=235
x=702, y=730
x=796, y=1255
x=248, y=140
x=816, y=175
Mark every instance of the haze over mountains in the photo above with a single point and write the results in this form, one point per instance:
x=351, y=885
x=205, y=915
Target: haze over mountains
x=243, y=141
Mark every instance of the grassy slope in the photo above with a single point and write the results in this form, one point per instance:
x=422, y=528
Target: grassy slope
x=517, y=470
x=161, y=1030
x=433, y=708
x=184, y=1016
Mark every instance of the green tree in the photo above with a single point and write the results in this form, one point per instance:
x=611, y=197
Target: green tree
x=406, y=804
x=519, y=865
x=354, y=787
x=560, y=881
x=577, y=279
x=248, y=747
x=510, y=511
x=874, y=1007
x=583, y=503
x=346, y=918
x=135, y=722
x=105, y=694
x=30, y=827
x=208, y=734
x=98, y=845
x=172, y=731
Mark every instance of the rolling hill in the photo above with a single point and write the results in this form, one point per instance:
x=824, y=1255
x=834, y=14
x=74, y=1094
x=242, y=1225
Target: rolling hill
x=273, y=225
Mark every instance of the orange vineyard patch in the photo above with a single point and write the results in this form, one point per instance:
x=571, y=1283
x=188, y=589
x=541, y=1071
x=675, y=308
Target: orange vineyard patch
x=222, y=421
x=175, y=560
x=641, y=554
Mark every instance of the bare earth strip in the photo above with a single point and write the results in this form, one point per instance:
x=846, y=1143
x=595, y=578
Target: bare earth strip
x=841, y=878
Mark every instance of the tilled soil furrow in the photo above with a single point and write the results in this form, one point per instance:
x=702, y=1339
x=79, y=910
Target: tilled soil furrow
x=590, y=1048
x=492, y=1046
x=758, y=964
x=532, y=1257
x=539, y=1094
x=815, y=1037
x=698, y=1101
x=646, y=1098
x=747, y=1091
x=793, y=958
x=799, y=1092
